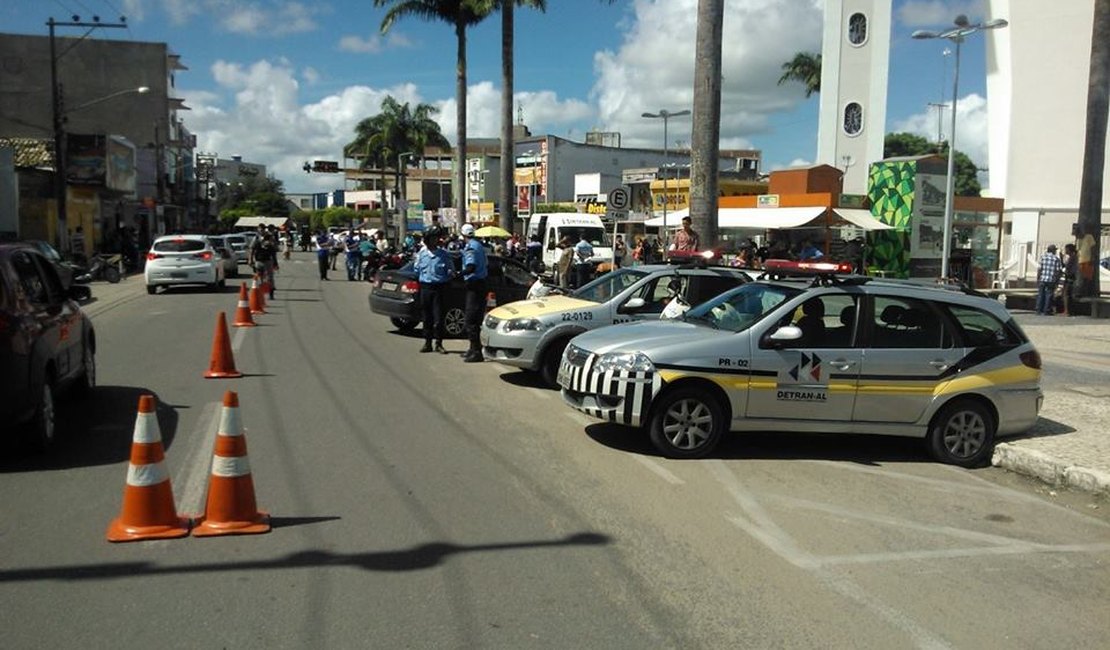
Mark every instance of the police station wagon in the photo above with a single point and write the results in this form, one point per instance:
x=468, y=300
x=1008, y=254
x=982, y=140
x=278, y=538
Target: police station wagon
x=824, y=354
x=531, y=334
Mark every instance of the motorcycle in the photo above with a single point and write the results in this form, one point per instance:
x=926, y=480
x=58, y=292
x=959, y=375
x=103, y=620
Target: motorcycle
x=101, y=267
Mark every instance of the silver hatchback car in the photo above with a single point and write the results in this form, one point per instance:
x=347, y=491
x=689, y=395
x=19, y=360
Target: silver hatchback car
x=824, y=354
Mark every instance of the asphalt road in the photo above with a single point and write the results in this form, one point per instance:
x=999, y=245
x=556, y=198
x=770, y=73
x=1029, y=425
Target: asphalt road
x=422, y=502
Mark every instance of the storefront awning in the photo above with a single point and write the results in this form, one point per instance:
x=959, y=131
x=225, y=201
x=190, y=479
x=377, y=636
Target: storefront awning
x=769, y=218
x=254, y=222
x=862, y=218
x=673, y=219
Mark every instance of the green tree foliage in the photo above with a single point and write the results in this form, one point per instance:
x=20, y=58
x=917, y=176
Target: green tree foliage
x=897, y=145
x=805, y=68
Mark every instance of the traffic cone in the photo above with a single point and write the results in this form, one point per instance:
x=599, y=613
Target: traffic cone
x=148, y=511
x=222, y=364
x=491, y=300
x=258, y=297
x=243, y=310
x=231, y=508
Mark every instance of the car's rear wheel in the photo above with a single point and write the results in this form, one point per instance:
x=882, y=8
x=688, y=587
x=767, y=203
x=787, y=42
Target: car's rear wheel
x=962, y=434
x=552, y=357
x=454, y=322
x=687, y=423
x=404, y=324
x=42, y=431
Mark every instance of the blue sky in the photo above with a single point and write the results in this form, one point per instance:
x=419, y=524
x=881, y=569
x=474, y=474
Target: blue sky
x=281, y=81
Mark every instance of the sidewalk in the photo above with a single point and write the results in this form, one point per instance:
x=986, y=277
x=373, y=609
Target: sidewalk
x=1069, y=446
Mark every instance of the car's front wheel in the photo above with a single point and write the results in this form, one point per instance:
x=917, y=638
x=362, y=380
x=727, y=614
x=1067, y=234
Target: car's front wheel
x=454, y=322
x=552, y=357
x=687, y=423
x=42, y=432
x=152, y=289
x=962, y=434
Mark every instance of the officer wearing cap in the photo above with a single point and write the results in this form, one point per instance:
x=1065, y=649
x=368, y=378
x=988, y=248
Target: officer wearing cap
x=475, y=269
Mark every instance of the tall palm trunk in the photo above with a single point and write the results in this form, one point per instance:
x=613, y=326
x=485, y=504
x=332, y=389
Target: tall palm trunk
x=1094, y=152
x=460, y=120
x=705, y=139
x=507, y=196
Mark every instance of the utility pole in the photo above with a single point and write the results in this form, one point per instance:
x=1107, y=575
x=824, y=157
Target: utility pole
x=56, y=99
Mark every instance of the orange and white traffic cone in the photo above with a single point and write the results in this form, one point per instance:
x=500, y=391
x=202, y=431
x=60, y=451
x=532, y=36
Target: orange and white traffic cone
x=222, y=363
x=243, y=309
x=491, y=300
x=148, y=511
x=257, y=299
x=231, y=508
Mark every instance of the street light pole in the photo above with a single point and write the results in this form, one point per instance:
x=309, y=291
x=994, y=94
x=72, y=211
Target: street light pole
x=957, y=35
x=666, y=115
x=402, y=218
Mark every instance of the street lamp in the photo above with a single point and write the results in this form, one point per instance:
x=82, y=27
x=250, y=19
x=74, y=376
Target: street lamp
x=402, y=195
x=666, y=115
x=962, y=30
x=60, y=116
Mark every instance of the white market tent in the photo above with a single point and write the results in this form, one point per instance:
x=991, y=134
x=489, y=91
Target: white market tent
x=779, y=218
x=254, y=222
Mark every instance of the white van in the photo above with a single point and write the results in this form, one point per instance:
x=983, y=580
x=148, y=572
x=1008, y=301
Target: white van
x=553, y=226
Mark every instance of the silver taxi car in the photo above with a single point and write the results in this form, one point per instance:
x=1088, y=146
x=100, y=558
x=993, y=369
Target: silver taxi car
x=531, y=334
x=823, y=354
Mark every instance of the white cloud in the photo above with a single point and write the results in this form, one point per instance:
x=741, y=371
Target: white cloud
x=797, y=162
x=971, y=127
x=654, y=68
x=310, y=75
x=933, y=13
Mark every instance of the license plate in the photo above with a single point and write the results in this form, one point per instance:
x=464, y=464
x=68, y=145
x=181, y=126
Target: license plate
x=563, y=378
x=178, y=275
x=389, y=286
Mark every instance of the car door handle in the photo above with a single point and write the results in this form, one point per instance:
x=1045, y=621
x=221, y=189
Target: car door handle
x=940, y=364
x=842, y=364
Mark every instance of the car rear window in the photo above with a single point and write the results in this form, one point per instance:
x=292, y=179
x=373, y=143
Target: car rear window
x=179, y=246
x=981, y=329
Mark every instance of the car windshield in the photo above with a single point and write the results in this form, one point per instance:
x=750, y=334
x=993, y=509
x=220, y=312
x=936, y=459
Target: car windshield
x=178, y=245
x=605, y=287
x=742, y=307
x=596, y=236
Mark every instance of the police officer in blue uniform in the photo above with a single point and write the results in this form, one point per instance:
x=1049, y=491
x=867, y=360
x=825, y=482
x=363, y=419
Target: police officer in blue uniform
x=475, y=270
x=433, y=268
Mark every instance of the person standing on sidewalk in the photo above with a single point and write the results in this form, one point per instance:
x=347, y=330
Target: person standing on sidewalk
x=354, y=257
x=1071, y=274
x=323, y=250
x=433, y=269
x=1048, y=276
x=475, y=270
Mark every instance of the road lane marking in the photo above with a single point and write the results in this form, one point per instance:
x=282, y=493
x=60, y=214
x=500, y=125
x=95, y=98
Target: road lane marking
x=659, y=470
x=193, y=475
x=237, y=340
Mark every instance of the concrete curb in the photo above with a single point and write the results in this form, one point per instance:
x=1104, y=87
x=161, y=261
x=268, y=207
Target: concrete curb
x=1043, y=466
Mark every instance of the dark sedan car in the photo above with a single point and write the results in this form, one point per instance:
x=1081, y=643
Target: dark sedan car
x=46, y=343
x=396, y=293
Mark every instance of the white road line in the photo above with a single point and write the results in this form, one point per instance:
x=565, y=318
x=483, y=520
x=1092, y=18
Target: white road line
x=659, y=470
x=192, y=477
x=237, y=340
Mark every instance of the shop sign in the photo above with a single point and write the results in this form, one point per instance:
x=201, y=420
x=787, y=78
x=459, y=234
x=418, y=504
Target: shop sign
x=767, y=201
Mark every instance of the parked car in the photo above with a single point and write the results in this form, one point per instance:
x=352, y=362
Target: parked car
x=68, y=271
x=46, y=343
x=396, y=293
x=823, y=353
x=227, y=255
x=240, y=246
x=532, y=334
x=181, y=260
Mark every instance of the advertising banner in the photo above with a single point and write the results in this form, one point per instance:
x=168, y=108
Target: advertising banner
x=86, y=159
x=121, y=175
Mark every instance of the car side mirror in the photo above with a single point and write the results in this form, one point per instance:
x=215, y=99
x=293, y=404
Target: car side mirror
x=80, y=292
x=783, y=335
x=632, y=305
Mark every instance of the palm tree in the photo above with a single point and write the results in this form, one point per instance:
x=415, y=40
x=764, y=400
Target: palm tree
x=461, y=14
x=804, y=68
x=705, y=137
x=1094, y=152
x=398, y=128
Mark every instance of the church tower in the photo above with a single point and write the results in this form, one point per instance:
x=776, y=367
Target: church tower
x=855, y=59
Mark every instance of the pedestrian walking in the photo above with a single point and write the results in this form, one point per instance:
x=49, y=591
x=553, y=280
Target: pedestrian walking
x=1048, y=276
x=475, y=270
x=686, y=239
x=564, y=263
x=583, y=267
x=323, y=251
x=334, y=248
x=263, y=258
x=354, y=256
x=433, y=268
x=619, y=250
